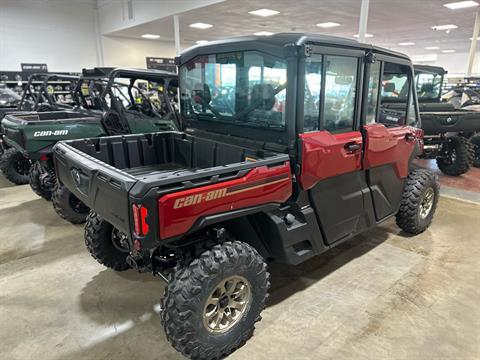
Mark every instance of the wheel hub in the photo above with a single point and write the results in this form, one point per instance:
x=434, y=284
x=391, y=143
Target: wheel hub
x=120, y=241
x=426, y=203
x=227, y=304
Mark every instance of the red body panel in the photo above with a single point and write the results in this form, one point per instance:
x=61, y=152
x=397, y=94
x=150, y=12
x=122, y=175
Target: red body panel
x=324, y=156
x=390, y=146
x=179, y=211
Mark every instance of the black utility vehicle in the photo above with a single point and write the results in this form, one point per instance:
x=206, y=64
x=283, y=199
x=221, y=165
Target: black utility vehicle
x=289, y=147
x=105, y=107
x=39, y=98
x=447, y=129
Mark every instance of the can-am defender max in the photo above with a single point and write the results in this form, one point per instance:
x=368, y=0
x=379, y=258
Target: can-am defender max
x=447, y=129
x=13, y=164
x=287, y=151
x=108, y=108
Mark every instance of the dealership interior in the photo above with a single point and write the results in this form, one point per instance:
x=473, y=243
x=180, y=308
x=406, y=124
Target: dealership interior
x=255, y=179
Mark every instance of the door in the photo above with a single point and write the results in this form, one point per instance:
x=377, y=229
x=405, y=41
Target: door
x=389, y=133
x=331, y=143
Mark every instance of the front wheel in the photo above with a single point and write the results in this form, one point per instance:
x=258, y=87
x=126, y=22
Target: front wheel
x=457, y=158
x=419, y=202
x=106, y=244
x=475, y=141
x=15, y=166
x=68, y=206
x=211, y=305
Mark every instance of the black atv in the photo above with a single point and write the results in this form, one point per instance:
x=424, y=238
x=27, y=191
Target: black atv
x=447, y=128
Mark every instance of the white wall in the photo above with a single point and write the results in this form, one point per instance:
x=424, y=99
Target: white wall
x=59, y=33
x=121, y=51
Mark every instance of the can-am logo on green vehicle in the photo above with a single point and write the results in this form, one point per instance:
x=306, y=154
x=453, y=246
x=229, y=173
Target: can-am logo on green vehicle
x=50, y=133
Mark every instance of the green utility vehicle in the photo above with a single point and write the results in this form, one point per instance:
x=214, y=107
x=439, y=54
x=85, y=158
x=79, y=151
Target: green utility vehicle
x=37, y=98
x=109, y=107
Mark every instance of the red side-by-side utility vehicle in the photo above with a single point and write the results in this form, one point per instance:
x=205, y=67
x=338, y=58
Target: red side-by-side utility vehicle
x=290, y=145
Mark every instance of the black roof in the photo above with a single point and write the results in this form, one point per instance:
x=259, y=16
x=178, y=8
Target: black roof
x=276, y=43
x=430, y=69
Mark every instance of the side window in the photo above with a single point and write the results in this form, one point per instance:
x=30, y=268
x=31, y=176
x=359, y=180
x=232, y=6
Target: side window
x=340, y=93
x=394, y=94
x=373, y=90
x=412, y=113
x=313, y=85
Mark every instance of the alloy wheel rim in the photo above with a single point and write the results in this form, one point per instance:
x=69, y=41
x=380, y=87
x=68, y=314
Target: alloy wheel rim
x=227, y=304
x=426, y=204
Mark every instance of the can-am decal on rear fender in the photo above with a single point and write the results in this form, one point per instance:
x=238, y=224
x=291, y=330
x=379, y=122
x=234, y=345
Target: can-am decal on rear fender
x=50, y=133
x=179, y=211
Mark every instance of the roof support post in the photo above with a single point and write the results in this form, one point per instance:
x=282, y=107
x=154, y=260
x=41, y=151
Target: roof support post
x=176, y=30
x=362, y=26
x=473, y=44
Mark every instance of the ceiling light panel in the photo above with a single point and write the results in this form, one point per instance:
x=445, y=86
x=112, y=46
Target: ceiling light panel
x=201, y=42
x=432, y=48
x=445, y=27
x=461, y=4
x=263, y=33
x=406, y=43
x=264, y=12
x=366, y=35
x=200, y=25
x=328, y=24
x=448, y=51
x=150, y=36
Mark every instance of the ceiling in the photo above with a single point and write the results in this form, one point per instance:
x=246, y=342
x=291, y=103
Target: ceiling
x=390, y=21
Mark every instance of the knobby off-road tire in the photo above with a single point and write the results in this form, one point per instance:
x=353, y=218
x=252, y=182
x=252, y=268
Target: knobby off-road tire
x=68, y=206
x=99, y=239
x=190, y=301
x=35, y=173
x=459, y=159
x=475, y=141
x=15, y=167
x=419, y=201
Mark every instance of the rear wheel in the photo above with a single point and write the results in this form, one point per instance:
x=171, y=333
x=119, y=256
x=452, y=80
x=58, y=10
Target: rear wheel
x=106, y=244
x=419, y=202
x=41, y=181
x=15, y=166
x=457, y=157
x=211, y=305
x=68, y=206
x=475, y=141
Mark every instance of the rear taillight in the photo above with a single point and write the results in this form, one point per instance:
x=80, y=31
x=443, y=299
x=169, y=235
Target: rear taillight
x=140, y=225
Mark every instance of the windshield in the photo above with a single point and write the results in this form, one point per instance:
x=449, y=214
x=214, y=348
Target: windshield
x=428, y=85
x=244, y=88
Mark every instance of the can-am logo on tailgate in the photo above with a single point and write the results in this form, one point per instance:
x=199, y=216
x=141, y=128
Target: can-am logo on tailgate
x=50, y=133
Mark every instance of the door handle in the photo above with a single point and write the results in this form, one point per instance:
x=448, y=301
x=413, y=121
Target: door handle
x=352, y=147
x=410, y=137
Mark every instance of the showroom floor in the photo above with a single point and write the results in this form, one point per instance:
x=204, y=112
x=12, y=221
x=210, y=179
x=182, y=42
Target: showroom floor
x=380, y=295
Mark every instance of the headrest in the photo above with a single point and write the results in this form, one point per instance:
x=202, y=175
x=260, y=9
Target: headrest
x=389, y=87
x=263, y=95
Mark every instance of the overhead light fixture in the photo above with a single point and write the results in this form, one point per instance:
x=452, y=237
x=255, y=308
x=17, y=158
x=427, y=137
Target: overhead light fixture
x=366, y=35
x=445, y=27
x=478, y=38
x=328, y=24
x=448, y=51
x=200, y=25
x=264, y=12
x=424, y=58
x=201, y=42
x=432, y=48
x=460, y=4
x=150, y=36
x=263, y=33
x=406, y=43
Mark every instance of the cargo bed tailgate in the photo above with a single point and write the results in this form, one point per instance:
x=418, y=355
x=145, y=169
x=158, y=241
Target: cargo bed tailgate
x=99, y=185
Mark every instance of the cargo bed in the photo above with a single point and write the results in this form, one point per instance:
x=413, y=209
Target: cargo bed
x=109, y=173
x=457, y=121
